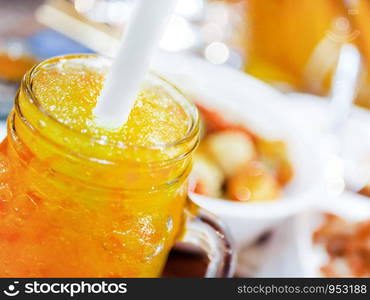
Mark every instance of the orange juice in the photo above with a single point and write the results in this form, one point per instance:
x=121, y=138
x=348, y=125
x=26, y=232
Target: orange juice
x=79, y=200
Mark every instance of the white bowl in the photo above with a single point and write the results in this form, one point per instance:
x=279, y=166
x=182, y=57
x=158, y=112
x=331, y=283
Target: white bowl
x=265, y=112
x=247, y=221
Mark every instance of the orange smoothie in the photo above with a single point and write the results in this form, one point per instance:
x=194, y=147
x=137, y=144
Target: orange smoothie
x=79, y=200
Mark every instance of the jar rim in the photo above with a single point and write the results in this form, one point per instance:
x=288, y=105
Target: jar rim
x=190, y=108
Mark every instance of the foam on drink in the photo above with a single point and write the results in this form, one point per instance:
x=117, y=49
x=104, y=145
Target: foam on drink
x=143, y=34
x=69, y=92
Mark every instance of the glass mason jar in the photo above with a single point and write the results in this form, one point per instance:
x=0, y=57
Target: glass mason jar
x=73, y=205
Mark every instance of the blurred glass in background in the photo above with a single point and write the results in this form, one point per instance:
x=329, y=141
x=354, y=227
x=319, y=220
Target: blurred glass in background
x=294, y=45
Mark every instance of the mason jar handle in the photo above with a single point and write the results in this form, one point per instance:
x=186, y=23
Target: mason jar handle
x=207, y=232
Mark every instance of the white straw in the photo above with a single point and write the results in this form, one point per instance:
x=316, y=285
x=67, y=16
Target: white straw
x=143, y=34
x=344, y=87
x=344, y=91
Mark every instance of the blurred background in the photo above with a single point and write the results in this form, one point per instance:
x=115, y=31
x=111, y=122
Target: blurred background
x=294, y=46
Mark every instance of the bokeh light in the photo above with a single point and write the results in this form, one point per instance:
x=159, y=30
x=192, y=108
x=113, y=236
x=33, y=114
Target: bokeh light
x=217, y=53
